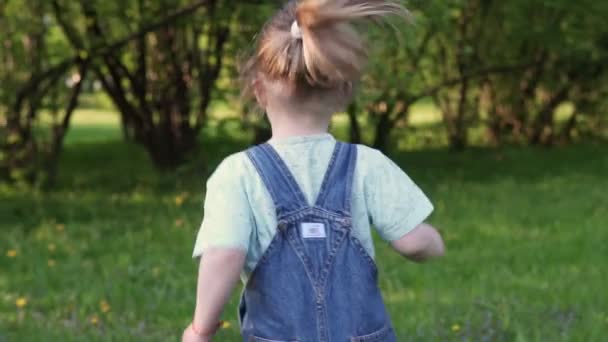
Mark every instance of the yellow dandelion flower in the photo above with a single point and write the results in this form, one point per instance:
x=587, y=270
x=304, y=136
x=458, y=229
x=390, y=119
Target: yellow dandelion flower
x=60, y=227
x=11, y=253
x=455, y=328
x=51, y=263
x=179, y=200
x=104, y=306
x=51, y=247
x=21, y=302
x=94, y=320
x=225, y=325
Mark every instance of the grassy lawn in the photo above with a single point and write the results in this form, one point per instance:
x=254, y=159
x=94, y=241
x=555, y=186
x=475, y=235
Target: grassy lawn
x=106, y=256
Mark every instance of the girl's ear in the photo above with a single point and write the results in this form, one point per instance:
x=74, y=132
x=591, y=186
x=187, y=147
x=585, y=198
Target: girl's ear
x=259, y=90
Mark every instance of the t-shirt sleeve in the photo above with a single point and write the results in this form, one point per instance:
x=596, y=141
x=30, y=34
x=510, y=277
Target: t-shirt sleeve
x=227, y=220
x=396, y=205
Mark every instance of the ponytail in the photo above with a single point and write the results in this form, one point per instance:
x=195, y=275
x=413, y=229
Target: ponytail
x=313, y=43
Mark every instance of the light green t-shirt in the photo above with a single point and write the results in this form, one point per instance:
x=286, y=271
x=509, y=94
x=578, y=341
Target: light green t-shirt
x=239, y=212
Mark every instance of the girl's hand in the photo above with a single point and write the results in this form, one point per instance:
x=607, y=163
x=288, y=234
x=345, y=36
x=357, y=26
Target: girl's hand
x=190, y=336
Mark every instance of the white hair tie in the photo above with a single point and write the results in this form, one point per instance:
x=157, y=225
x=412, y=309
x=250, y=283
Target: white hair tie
x=296, y=33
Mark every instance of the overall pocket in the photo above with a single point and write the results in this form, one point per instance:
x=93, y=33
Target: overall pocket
x=259, y=339
x=378, y=336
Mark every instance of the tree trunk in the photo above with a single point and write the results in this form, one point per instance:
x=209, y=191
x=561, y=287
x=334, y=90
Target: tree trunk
x=168, y=149
x=566, y=134
x=355, y=127
x=153, y=85
x=543, y=125
x=382, y=133
x=458, y=140
x=262, y=131
x=60, y=130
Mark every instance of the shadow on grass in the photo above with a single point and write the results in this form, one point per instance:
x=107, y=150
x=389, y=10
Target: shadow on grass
x=109, y=179
x=521, y=164
x=119, y=166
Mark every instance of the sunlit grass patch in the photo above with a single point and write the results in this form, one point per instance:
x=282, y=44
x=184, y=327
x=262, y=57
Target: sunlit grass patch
x=106, y=255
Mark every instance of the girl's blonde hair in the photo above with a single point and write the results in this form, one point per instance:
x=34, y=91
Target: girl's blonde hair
x=313, y=44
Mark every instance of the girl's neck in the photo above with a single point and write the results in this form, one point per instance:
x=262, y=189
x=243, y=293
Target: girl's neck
x=285, y=125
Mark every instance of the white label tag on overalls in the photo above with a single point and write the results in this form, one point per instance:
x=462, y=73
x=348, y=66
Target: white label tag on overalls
x=312, y=230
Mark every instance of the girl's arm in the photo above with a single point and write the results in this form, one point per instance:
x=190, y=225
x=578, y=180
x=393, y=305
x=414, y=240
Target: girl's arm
x=218, y=273
x=420, y=244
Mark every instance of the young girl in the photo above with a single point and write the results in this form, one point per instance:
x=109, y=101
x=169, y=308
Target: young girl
x=293, y=215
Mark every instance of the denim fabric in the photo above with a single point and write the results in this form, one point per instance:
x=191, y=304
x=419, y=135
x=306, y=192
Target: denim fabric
x=309, y=289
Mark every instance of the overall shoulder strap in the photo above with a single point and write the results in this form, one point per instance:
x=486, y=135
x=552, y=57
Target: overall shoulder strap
x=336, y=189
x=277, y=178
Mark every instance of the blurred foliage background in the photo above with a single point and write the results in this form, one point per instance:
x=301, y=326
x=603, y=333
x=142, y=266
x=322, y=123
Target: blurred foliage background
x=113, y=113
x=490, y=73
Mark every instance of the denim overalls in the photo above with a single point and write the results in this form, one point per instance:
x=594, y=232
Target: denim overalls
x=315, y=282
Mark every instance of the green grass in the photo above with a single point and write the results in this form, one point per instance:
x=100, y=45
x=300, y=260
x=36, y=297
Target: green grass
x=525, y=229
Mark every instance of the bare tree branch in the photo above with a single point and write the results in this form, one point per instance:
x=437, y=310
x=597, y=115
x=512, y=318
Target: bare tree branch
x=101, y=50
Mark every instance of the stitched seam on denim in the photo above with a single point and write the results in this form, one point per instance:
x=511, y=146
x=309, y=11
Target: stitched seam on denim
x=328, y=173
x=296, y=191
x=257, y=163
x=278, y=162
x=383, y=332
x=350, y=177
x=268, y=184
x=327, y=269
x=328, y=266
x=333, y=214
x=261, y=339
x=362, y=250
x=294, y=214
x=343, y=153
x=316, y=210
x=265, y=256
x=300, y=214
x=303, y=260
x=322, y=315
